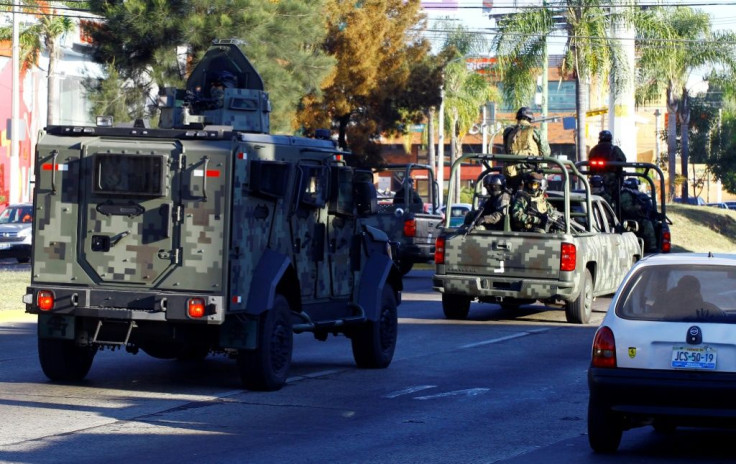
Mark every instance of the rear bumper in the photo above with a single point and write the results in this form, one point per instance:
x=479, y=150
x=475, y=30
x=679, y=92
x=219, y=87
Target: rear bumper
x=681, y=396
x=492, y=286
x=126, y=305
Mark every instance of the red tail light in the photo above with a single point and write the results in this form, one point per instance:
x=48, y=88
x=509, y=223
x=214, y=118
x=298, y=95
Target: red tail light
x=410, y=228
x=45, y=300
x=568, y=257
x=604, y=348
x=439, y=250
x=196, y=307
x=666, y=241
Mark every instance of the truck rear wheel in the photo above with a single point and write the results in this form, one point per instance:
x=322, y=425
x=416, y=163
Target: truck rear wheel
x=374, y=343
x=455, y=306
x=267, y=367
x=578, y=311
x=63, y=361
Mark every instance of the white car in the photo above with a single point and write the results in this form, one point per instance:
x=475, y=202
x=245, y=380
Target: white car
x=16, y=223
x=665, y=353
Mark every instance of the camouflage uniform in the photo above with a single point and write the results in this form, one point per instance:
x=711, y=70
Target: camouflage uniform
x=530, y=207
x=495, y=210
x=524, y=140
x=634, y=206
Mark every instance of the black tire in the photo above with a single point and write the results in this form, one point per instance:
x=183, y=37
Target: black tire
x=455, y=306
x=604, y=428
x=63, y=361
x=579, y=310
x=23, y=259
x=405, y=267
x=267, y=367
x=374, y=343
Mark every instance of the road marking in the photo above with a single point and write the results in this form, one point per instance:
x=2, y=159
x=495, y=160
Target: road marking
x=313, y=375
x=408, y=391
x=468, y=392
x=503, y=339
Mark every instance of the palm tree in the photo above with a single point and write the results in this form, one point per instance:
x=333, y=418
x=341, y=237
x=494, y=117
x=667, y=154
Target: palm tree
x=520, y=47
x=47, y=31
x=674, y=43
x=465, y=93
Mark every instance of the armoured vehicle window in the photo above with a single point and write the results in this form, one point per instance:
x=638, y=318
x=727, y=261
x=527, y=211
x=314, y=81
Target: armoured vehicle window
x=313, y=185
x=118, y=174
x=268, y=178
x=341, y=194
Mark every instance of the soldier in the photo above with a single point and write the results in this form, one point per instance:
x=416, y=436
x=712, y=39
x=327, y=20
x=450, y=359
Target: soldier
x=597, y=187
x=530, y=209
x=637, y=205
x=606, y=150
x=524, y=140
x=414, y=197
x=496, y=206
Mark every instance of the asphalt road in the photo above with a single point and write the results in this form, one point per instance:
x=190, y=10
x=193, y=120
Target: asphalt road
x=500, y=387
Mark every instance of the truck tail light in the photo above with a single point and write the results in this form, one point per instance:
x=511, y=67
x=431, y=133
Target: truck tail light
x=195, y=307
x=410, y=228
x=666, y=241
x=568, y=257
x=45, y=300
x=439, y=250
x=604, y=348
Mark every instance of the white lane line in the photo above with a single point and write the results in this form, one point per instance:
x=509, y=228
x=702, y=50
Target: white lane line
x=503, y=339
x=408, y=391
x=468, y=392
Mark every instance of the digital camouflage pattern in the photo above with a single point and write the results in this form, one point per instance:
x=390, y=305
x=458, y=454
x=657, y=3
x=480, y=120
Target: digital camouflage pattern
x=527, y=211
x=501, y=266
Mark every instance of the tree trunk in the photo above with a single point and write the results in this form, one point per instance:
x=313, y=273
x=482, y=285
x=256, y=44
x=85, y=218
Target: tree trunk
x=455, y=185
x=430, y=139
x=581, y=100
x=672, y=105
x=685, y=137
x=52, y=96
x=342, y=129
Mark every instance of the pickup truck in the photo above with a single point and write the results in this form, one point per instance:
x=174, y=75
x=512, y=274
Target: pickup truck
x=409, y=215
x=587, y=257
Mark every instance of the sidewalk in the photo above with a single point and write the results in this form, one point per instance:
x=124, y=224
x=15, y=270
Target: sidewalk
x=16, y=315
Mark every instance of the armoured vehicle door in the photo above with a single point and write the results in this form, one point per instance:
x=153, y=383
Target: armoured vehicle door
x=341, y=225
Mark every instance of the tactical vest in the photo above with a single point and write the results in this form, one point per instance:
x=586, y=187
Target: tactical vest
x=522, y=141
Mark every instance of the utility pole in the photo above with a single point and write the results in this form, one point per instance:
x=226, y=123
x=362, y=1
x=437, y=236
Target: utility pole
x=441, y=143
x=621, y=105
x=13, y=193
x=545, y=87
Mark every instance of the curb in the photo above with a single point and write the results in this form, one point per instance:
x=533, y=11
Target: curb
x=17, y=315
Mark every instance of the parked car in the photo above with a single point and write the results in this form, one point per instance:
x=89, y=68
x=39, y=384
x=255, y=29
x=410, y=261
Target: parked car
x=16, y=222
x=730, y=204
x=720, y=205
x=665, y=354
x=697, y=201
x=457, y=213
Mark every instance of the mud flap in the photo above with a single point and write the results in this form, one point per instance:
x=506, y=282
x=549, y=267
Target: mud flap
x=56, y=326
x=239, y=333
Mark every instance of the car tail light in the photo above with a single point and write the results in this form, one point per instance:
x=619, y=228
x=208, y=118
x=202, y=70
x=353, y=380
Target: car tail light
x=410, y=228
x=568, y=257
x=45, y=300
x=196, y=307
x=604, y=348
x=439, y=250
x=666, y=241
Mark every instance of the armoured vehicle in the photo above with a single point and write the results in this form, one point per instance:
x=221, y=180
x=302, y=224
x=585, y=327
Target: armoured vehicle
x=205, y=235
x=587, y=254
x=410, y=214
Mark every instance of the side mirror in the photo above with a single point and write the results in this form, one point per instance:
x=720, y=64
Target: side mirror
x=631, y=225
x=366, y=199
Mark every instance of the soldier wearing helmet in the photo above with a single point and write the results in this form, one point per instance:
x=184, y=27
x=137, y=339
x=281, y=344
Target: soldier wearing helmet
x=638, y=206
x=524, y=140
x=530, y=208
x=496, y=206
x=605, y=149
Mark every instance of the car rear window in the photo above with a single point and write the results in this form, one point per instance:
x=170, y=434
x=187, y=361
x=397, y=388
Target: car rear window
x=680, y=293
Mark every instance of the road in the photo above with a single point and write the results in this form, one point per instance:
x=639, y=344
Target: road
x=498, y=388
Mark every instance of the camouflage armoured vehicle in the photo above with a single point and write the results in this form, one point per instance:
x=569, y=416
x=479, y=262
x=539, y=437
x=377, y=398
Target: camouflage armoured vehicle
x=410, y=215
x=586, y=253
x=205, y=235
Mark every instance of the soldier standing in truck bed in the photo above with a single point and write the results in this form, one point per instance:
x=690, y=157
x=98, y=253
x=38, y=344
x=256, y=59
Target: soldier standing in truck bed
x=522, y=139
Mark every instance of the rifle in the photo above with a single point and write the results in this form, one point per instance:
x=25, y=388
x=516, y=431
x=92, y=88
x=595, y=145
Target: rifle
x=475, y=221
x=553, y=218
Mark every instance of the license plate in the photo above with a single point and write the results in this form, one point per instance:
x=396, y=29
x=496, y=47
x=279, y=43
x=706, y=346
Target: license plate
x=688, y=357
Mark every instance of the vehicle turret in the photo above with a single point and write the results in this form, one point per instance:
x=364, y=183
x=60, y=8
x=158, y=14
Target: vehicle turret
x=224, y=89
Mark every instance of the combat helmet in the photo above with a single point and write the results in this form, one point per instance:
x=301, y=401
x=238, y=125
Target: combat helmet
x=605, y=136
x=524, y=113
x=535, y=183
x=494, y=183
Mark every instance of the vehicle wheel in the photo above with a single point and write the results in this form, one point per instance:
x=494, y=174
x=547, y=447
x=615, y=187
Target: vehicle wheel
x=578, y=311
x=267, y=367
x=405, y=267
x=63, y=361
x=375, y=342
x=604, y=428
x=23, y=259
x=455, y=306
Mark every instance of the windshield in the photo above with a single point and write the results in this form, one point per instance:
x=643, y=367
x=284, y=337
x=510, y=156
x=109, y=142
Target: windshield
x=16, y=214
x=680, y=293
